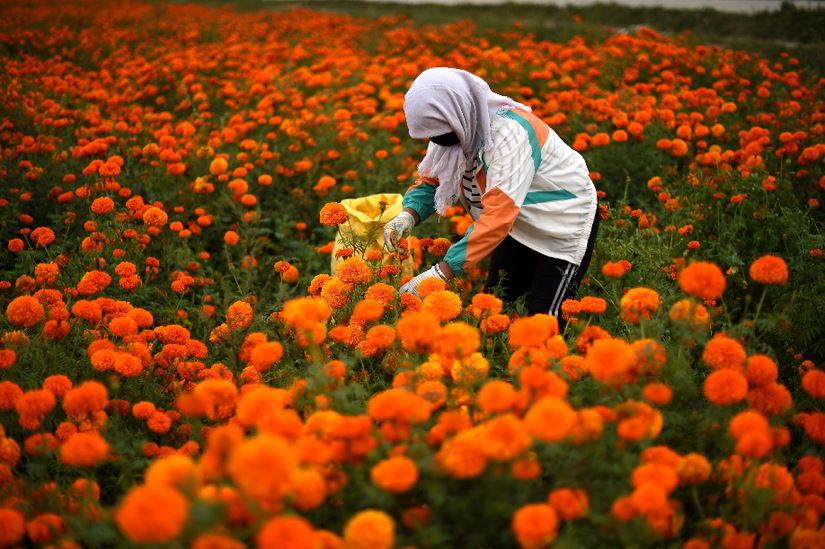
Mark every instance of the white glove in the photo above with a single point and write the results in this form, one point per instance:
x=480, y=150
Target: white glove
x=398, y=227
x=412, y=285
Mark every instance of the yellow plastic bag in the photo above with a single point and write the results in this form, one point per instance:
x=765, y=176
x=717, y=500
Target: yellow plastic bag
x=367, y=217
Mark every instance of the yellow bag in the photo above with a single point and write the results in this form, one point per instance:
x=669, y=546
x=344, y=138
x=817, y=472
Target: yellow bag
x=366, y=218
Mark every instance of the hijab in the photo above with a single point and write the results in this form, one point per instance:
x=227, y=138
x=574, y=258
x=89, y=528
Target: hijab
x=442, y=100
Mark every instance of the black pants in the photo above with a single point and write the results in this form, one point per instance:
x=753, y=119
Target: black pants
x=547, y=281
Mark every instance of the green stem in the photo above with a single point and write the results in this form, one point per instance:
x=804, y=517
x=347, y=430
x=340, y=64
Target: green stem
x=759, y=306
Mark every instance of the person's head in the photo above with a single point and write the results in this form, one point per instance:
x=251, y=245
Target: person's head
x=453, y=109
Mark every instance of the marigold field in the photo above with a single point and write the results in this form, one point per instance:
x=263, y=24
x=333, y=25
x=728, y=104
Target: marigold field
x=182, y=365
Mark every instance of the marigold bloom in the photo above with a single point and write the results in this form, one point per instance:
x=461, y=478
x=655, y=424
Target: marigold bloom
x=504, y=437
x=239, y=315
x=86, y=398
x=32, y=407
x=723, y=352
x=593, y=305
x=761, y=370
x=569, y=503
x=369, y=529
x=769, y=269
x=725, y=386
x=262, y=467
x=814, y=383
x=84, y=449
x=333, y=213
x=550, y=419
x=444, y=304
x=417, y=330
x=381, y=292
x=12, y=526
x=495, y=323
x=695, y=314
x=152, y=514
x=336, y=292
x=429, y=286
x=264, y=355
x=24, y=311
x=354, y=270
x=42, y=236
x=7, y=358
x=496, y=396
x=463, y=456
x=609, y=361
x=455, y=340
x=703, y=279
x=486, y=304
x=535, y=525
x=288, y=532
x=103, y=205
x=155, y=216
x=693, y=468
x=639, y=302
x=533, y=331
x=396, y=474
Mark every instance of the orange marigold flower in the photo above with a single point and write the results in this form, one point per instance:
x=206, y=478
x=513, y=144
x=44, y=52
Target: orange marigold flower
x=152, y=514
x=86, y=398
x=456, y=340
x=703, y=279
x=569, y=503
x=417, y=330
x=155, y=216
x=504, y=437
x=533, y=331
x=333, y=213
x=396, y=474
x=231, y=237
x=367, y=310
x=444, y=304
x=496, y=396
x=288, y=532
x=463, y=455
x=264, y=355
x=354, y=270
x=761, y=370
x=84, y=449
x=693, y=468
x=12, y=526
x=593, y=305
x=609, y=361
x=440, y=246
x=336, y=293
x=485, y=305
x=769, y=269
x=42, y=236
x=369, y=529
x=239, y=315
x=724, y=352
x=725, y=386
x=381, y=336
x=7, y=358
x=381, y=292
x=814, y=383
x=615, y=269
x=550, y=419
x=431, y=285
x=639, y=302
x=656, y=473
x=32, y=407
x=770, y=399
x=535, y=525
x=24, y=311
x=103, y=205
x=695, y=314
x=262, y=467
x=317, y=284
x=657, y=393
x=495, y=323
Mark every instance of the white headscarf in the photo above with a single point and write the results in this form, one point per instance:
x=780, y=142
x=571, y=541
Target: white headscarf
x=443, y=100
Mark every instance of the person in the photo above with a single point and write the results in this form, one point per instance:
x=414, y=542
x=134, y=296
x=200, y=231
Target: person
x=530, y=195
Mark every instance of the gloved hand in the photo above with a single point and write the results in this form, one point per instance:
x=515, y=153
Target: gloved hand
x=412, y=285
x=398, y=227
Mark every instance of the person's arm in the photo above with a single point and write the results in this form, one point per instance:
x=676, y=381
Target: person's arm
x=510, y=171
x=419, y=200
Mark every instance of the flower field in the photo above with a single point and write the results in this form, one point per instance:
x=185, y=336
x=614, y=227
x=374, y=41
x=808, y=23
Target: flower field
x=188, y=358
